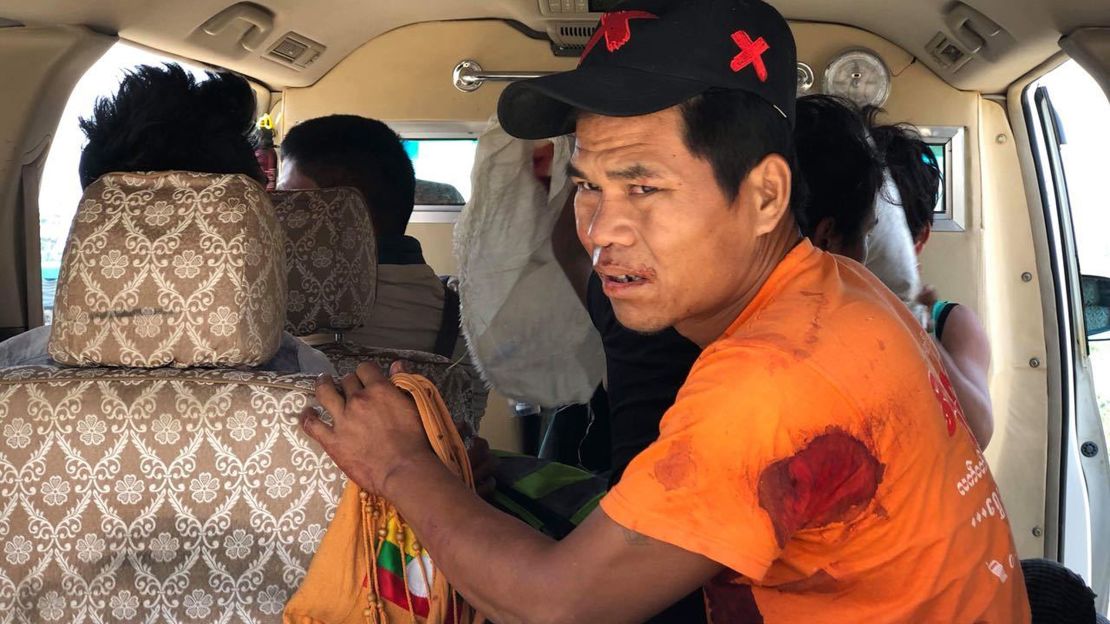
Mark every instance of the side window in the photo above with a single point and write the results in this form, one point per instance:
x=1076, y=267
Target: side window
x=948, y=144
x=61, y=188
x=442, y=169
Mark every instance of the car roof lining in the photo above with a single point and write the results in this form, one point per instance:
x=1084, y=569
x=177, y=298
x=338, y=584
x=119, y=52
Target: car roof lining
x=173, y=27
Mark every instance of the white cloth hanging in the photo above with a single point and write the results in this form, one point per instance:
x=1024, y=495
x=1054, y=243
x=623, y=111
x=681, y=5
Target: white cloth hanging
x=890, y=252
x=527, y=330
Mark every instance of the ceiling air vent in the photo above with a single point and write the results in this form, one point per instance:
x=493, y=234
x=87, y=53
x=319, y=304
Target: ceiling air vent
x=295, y=51
x=570, y=38
x=581, y=33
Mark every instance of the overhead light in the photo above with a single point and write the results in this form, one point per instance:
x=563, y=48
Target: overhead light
x=859, y=76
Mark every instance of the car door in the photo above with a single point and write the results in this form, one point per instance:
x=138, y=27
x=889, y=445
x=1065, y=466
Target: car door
x=1069, y=124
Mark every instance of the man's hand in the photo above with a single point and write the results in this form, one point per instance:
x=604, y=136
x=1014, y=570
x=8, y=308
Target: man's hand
x=928, y=296
x=376, y=427
x=483, y=463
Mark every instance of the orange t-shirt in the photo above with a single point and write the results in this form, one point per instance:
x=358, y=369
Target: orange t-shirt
x=818, y=452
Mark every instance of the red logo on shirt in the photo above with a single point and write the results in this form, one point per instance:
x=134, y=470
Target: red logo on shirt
x=942, y=388
x=751, y=53
x=616, y=30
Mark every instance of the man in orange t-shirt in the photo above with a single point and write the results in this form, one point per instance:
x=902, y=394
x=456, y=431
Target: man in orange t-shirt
x=815, y=467
x=818, y=451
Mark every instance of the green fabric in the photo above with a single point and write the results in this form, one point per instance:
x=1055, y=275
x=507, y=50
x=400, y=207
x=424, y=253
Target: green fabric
x=551, y=497
x=510, y=506
x=390, y=558
x=938, y=308
x=549, y=478
x=587, y=509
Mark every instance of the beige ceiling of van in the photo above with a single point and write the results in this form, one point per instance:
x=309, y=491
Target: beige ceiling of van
x=341, y=26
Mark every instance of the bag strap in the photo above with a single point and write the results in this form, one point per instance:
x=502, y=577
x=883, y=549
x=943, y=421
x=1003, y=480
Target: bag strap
x=448, y=334
x=436, y=418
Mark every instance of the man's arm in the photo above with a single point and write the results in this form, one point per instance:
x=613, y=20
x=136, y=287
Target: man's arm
x=508, y=571
x=966, y=354
x=570, y=254
x=601, y=572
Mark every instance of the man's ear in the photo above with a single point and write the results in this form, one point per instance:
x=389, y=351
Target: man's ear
x=770, y=182
x=923, y=238
x=825, y=235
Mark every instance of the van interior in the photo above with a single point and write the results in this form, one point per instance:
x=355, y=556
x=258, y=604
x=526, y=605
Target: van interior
x=1012, y=95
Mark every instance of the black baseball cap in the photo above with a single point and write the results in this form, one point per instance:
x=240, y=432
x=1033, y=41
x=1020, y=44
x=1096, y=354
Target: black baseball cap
x=648, y=55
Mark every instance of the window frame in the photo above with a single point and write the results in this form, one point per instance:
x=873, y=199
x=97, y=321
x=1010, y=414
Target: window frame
x=953, y=216
x=437, y=130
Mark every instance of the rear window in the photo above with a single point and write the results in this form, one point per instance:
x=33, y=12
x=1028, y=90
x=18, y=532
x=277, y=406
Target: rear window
x=442, y=169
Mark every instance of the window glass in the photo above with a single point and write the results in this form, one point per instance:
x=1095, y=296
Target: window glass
x=939, y=153
x=61, y=188
x=1084, y=116
x=442, y=170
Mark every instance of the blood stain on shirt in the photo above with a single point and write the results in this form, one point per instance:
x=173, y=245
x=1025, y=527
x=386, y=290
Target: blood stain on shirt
x=677, y=468
x=830, y=480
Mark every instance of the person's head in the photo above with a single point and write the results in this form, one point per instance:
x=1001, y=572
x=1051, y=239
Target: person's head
x=843, y=173
x=164, y=119
x=915, y=172
x=683, y=161
x=348, y=150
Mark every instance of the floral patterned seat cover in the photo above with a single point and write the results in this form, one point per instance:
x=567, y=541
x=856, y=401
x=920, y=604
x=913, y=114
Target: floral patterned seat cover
x=158, y=478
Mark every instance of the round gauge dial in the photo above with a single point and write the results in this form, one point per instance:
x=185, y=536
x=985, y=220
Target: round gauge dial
x=860, y=76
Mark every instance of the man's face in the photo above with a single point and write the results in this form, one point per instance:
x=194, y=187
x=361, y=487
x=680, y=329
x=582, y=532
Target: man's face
x=292, y=179
x=670, y=248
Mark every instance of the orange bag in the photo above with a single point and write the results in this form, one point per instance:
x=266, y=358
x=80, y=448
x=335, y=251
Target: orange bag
x=370, y=568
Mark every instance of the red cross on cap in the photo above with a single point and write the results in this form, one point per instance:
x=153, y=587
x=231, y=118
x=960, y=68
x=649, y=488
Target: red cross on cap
x=751, y=53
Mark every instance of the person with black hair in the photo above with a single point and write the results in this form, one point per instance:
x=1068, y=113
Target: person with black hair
x=162, y=118
x=782, y=483
x=414, y=310
x=843, y=173
x=915, y=171
x=960, y=337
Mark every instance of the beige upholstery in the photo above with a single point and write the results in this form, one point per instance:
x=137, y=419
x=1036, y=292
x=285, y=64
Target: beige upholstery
x=331, y=255
x=333, y=267
x=162, y=495
x=178, y=269
x=166, y=494
x=462, y=389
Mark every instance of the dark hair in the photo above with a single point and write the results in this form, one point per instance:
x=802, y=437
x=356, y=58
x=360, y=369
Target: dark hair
x=914, y=168
x=841, y=168
x=348, y=150
x=163, y=119
x=735, y=130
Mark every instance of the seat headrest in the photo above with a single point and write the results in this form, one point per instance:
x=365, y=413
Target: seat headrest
x=170, y=269
x=332, y=259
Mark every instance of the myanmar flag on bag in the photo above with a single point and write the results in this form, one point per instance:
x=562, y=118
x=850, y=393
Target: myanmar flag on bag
x=400, y=562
